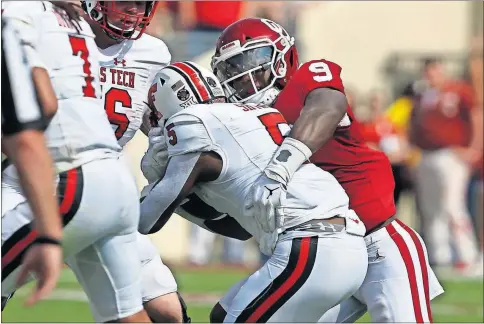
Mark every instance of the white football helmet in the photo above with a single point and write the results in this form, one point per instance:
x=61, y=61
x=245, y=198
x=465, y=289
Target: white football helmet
x=181, y=85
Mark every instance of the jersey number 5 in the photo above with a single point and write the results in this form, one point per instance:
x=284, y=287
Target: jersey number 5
x=322, y=71
x=113, y=96
x=272, y=121
x=78, y=45
x=171, y=134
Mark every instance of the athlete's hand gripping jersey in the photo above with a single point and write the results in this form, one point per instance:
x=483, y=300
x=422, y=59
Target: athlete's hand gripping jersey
x=127, y=72
x=365, y=174
x=80, y=131
x=246, y=137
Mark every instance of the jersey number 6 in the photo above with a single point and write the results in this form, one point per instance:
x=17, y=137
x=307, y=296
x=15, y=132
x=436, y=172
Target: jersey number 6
x=113, y=96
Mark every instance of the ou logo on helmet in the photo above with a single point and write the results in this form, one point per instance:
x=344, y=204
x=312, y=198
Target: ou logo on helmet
x=275, y=27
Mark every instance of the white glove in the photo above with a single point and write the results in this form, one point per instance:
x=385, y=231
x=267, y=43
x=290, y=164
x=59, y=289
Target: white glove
x=155, y=160
x=265, y=202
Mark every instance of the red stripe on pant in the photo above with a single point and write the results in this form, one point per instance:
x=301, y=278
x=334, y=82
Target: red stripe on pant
x=293, y=278
x=70, y=192
x=18, y=248
x=65, y=206
x=412, y=278
x=423, y=265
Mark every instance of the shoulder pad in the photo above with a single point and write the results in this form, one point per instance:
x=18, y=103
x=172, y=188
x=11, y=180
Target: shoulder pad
x=21, y=16
x=187, y=133
x=318, y=74
x=152, y=50
x=22, y=11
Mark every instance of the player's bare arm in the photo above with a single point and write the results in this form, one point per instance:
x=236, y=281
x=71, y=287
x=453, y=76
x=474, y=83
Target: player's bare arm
x=323, y=110
x=27, y=145
x=45, y=91
x=37, y=180
x=175, y=186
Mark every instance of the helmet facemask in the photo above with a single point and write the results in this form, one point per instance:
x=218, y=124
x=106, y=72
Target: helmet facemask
x=117, y=24
x=249, y=73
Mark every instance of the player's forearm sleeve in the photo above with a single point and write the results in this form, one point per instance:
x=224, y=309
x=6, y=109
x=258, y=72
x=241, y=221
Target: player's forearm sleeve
x=165, y=192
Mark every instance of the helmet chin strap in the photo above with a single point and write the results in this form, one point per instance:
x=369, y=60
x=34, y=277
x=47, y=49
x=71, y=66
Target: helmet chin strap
x=114, y=28
x=119, y=29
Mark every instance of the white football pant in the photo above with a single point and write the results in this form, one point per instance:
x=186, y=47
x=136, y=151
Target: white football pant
x=302, y=279
x=399, y=284
x=100, y=210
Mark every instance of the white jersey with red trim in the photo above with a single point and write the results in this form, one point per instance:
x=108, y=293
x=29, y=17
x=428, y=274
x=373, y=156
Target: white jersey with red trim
x=246, y=137
x=126, y=73
x=79, y=132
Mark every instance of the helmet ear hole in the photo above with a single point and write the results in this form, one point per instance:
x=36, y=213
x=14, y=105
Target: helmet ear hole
x=281, y=70
x=96, y=15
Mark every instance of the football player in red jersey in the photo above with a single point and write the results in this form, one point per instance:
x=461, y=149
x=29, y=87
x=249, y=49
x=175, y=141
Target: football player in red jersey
x=257, y=61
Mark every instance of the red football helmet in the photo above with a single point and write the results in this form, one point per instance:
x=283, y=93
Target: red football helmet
x=254, y=59
x=121, y=19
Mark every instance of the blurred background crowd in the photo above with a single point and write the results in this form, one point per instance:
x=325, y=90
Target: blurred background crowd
x=400, y=60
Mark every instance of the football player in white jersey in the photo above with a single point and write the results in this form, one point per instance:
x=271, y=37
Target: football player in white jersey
x=219, y=150
x=129, y=60
x=97, y=195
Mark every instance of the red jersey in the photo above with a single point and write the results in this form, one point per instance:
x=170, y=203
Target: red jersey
x=441, y=118
x=365, y=174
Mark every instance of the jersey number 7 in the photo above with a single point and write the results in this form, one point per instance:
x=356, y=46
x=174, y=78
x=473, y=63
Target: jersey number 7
x=78, y=45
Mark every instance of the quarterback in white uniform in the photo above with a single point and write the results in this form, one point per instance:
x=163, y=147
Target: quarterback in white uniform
x=218, y=151
x=124, y=87
x=96, y=193
x=129, y=61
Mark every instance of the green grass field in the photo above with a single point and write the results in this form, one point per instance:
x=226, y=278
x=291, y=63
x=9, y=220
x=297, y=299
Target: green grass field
x=462, y=301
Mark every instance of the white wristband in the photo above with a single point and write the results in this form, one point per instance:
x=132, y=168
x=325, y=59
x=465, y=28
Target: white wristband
x=288, y=158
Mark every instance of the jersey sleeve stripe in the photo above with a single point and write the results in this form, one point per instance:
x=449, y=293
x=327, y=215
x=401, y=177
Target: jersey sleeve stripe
x=195, y=79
